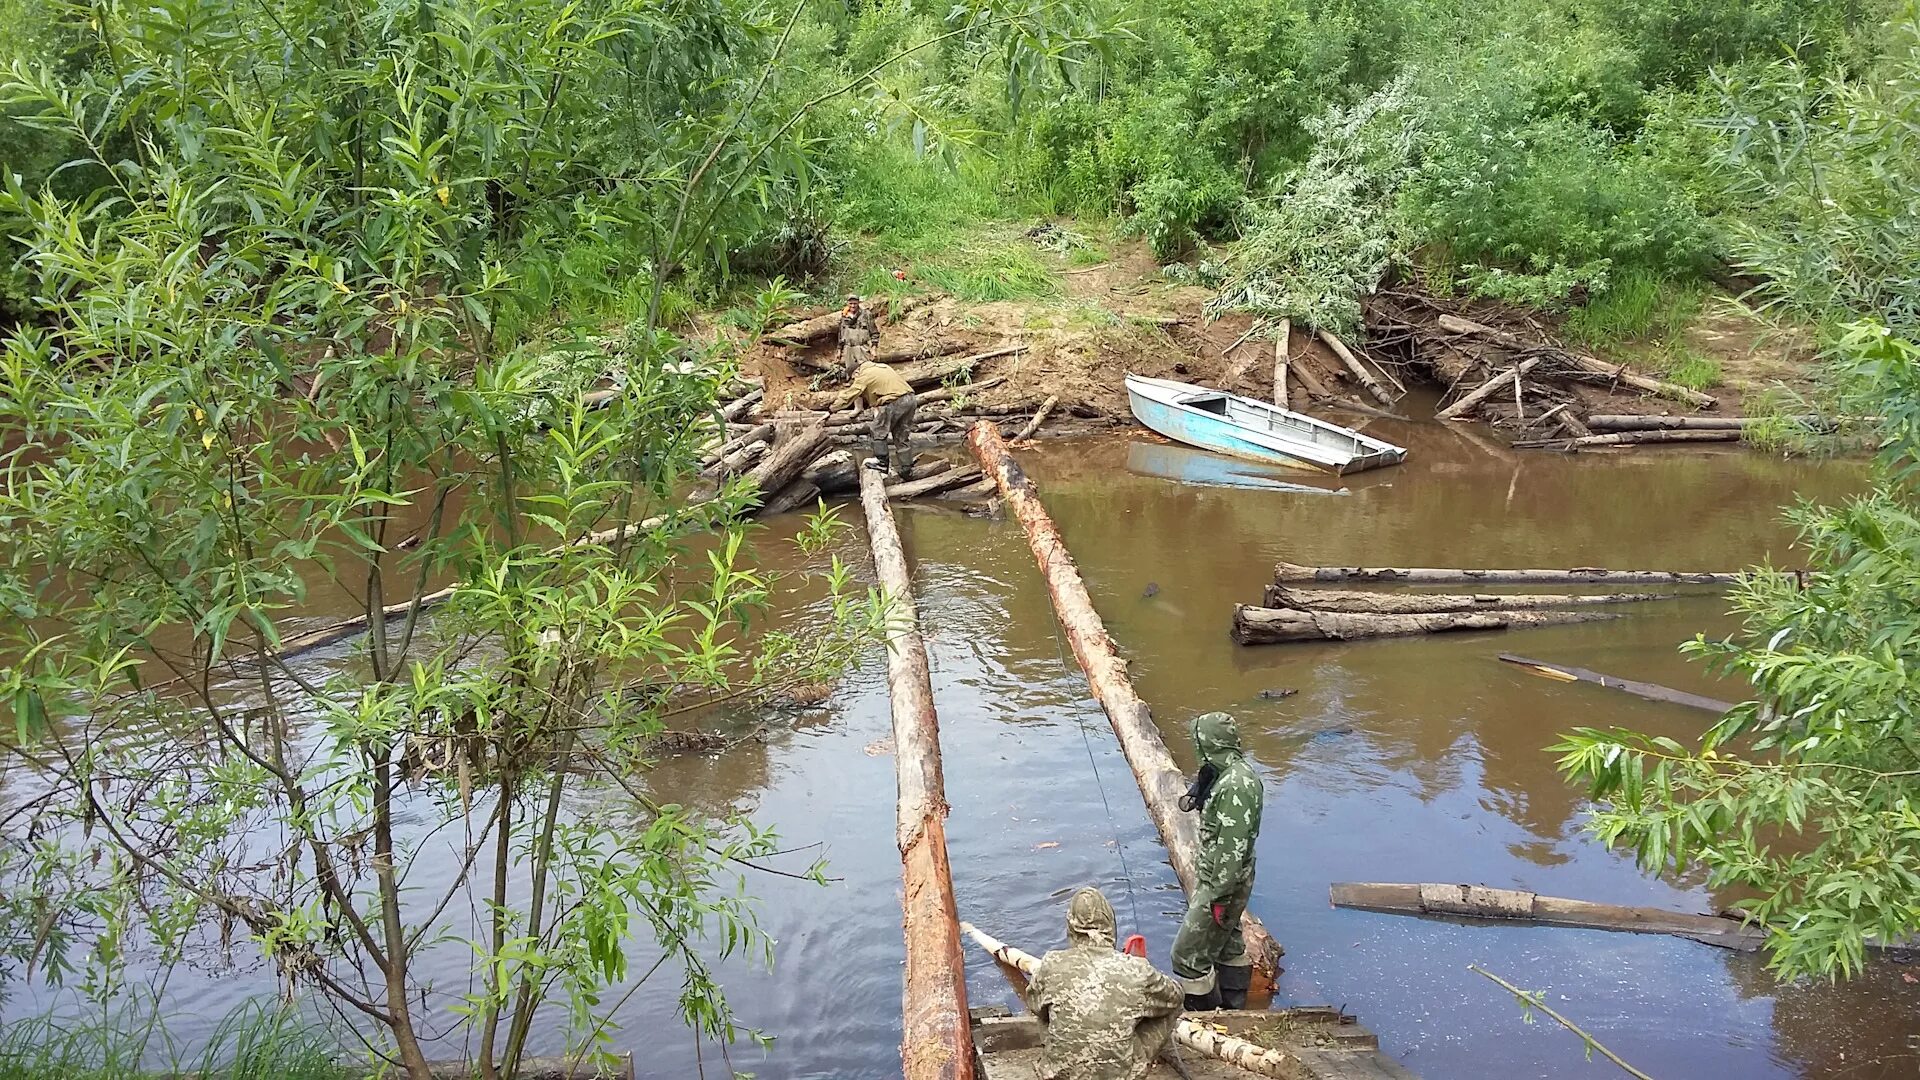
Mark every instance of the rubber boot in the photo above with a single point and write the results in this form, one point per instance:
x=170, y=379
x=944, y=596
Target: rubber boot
x=1206, y=1002
x=1233, y=983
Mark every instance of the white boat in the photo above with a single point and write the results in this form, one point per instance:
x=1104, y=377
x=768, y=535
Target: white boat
x=1230, y=424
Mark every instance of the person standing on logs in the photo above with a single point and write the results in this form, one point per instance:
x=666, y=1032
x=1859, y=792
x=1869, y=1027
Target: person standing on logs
x=1107, y=1014
x=880, y=388
x=1208, y=954
x=859, y=334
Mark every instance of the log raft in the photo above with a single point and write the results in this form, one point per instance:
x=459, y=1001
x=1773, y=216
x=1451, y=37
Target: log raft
x=1272, y=626
x=1160, y=780
x=1293, y=573
x=937, y=1040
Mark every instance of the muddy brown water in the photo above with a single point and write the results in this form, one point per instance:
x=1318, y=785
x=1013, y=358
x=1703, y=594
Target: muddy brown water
x=1398, y=760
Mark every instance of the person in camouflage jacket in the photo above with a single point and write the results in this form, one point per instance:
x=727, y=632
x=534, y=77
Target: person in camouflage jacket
x=1209, y=955
x=1107, y=1014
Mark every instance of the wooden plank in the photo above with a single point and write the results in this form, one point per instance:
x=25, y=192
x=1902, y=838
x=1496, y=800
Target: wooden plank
x=1651, y=691
x=1160, y=780
x=937, y=1038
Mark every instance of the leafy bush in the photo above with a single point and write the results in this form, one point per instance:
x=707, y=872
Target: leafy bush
x=1330, y=231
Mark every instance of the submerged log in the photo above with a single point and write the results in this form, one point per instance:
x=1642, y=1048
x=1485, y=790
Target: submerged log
x=1405, y=603
x=1251, y=1056
x=1628, y=438
x=1519, y=905
x=1652, y=691
x=1273, y=626
x=1291, y=573
x=1160, y=780
x=1487, y=389
x=937, y=1038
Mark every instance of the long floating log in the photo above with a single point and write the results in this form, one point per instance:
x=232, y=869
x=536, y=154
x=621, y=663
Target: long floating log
x=1275, y=626
x=1291, y=573
x=1628, y=438
x=936, y=1036
x=1161, y=783
x=1519, y=905
x=1652, y=691
x=1487, y=389
x=1261, y=1060
x=1408, y=603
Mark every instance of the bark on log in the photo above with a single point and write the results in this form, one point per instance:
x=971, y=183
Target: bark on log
x=1628, y=438
x=945, y=392
x=1039, y=418
x=809, y=331
x=980, y=489
x=1408, y=603
x=1273, y=626
x=743, y=405
x=1487, y=389
x=1608, y=422
x=1360, y=373
x=795, y=496
x=901, y=354
x=733, y=458
x=1520, y=905
x=740, y=460
x=790, y=456
x=1261, y=1060
x=951, y=477
x=937, y=1036
x=1293, y=574
x=1161, y=783
x=1651, y=691
x=1281, y=361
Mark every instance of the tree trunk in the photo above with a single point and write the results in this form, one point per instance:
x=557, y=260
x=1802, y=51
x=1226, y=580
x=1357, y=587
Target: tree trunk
x=789, y=457
x=739, y=455
x=1486, y=390
x=1161, y=783
x=1290, y=574
x=1408, y=603
x=1360, y=373
x=1281, y=361
x=1650, y=691
x=799, y=495
x=1629, y=438
x=1270, y=626
x=742, y=405
x=1520, y=905
x=809, y=331
x=1039, y=418
x=937, y=1035
x=940, y=481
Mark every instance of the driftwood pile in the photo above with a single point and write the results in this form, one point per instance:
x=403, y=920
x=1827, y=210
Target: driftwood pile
x=1290, y=612
x=1515, y=377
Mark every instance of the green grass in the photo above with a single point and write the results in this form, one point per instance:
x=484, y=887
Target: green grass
x=254, y=1042
x=1685, y=367
x=1087, y=255
x=1635, y=306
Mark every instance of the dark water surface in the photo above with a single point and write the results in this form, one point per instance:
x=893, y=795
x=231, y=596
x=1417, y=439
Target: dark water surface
x=1397, y=760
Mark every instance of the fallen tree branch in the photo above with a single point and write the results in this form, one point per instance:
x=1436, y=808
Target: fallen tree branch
x=1538, y=1001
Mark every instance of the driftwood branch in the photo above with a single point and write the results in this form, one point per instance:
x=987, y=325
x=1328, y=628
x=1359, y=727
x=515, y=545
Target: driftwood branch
x=1535, y=1001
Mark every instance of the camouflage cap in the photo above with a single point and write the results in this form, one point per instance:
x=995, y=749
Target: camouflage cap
x=1090, y=919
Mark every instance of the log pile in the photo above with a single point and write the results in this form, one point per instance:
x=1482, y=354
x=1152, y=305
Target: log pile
x=1508, y=372
x=1289, y=613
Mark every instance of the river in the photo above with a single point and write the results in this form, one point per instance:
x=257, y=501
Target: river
x=1396, y=760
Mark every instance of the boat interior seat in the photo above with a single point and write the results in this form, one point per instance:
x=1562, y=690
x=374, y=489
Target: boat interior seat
x=1213, y=403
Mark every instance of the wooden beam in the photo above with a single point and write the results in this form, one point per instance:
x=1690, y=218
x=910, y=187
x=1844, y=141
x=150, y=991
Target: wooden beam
x=937, y=1036
x=1651, y=691
x=1292, y=573
x=1160, y=780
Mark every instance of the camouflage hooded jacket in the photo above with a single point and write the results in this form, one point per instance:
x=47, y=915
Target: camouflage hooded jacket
x=1107, y=1014
x=1230, y=819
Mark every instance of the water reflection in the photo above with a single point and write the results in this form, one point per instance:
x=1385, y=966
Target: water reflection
x=1413, y=759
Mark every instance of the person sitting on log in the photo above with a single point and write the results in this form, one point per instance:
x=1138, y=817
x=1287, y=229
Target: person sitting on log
x=880, y=388
x=1209, y=955
x=1107, y=1014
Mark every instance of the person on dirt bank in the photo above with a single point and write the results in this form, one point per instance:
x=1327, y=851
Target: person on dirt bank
x=1107, y=1015
x=1209, y=956
x=859, y=334
x=880, y=388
